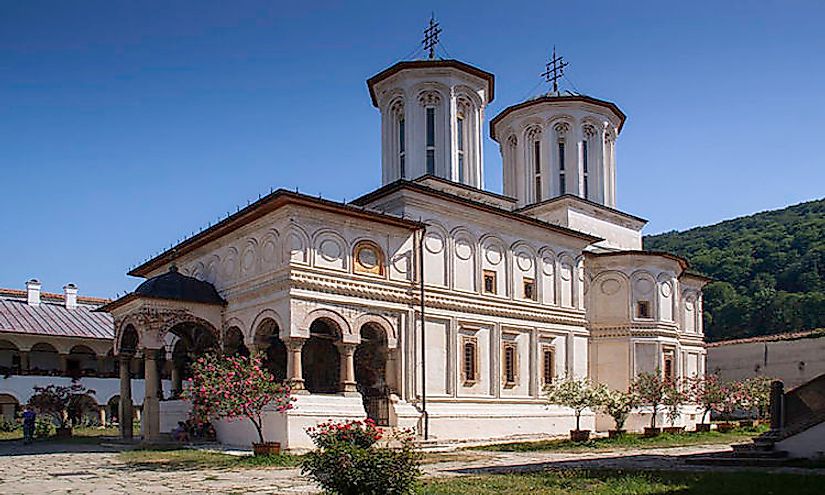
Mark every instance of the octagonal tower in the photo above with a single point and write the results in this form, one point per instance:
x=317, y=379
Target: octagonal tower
x=432, y=114
x=559, y=143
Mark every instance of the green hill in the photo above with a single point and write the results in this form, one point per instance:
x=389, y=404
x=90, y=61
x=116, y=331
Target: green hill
x=769, y=270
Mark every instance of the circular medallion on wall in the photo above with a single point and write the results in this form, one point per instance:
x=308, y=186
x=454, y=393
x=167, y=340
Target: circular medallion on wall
x=644, y=286
x=566, y=271
x=667, y=289
x=549, y=265
x=434, y=243
x=330, y=250
x=493, y=254
x=248, y=259
x=463, y=249
x=268, y=251
x=611, y=286
x=367, y=257
x=688, y=305
x=296, y=244
x=524, y=261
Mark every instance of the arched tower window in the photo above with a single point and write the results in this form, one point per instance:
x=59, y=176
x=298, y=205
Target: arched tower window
x=461, y=146
x=402, y=151
x=561, y=129
x=430, y=101
x=588, y=131
x=534, y=143
x=398, y=148
x=430, y=147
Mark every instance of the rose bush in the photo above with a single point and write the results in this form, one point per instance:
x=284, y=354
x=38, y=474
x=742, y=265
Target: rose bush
x=235, y=387
x=347, y=460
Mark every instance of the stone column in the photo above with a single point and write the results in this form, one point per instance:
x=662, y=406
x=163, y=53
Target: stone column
x=151, y=404
x=391, y=371
x=347, y=354
x=63, y=360
x=102, y=414
x=177, y=382
x=776, y=405
x=125, y=408
x=101, y=363
x=24, y=362
x=294, y=372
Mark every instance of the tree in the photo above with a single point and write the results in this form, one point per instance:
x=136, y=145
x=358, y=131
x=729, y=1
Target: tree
x=617, y=404
x=235, y=387
x=757, y=391
x=650, y=389
x=708, y=392
x=55, y=400
x=576, y=393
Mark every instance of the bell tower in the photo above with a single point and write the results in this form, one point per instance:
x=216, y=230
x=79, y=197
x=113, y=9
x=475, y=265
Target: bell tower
x=432, y=116
x=559, y=143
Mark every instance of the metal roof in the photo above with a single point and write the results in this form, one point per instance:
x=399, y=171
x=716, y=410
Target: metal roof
x=48, y=318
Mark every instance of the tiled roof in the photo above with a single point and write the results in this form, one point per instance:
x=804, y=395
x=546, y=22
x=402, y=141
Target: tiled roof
x=52, y=296
x=52, y=318
x=807, y=334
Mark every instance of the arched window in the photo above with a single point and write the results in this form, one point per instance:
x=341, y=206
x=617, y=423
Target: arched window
x=584, y=169
x=469, y=368
x=534, y=140
x=561, y=129
x=402, y=152
x=430, y=144
x=562, y=181
x=460, y=130
x=537, y=171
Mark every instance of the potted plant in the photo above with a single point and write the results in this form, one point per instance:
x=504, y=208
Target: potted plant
x=650, y=389
x=617, y=404
x=673, y=400
x=236, y=387
x=708, y=392
x=578, y=394
x=54, y=401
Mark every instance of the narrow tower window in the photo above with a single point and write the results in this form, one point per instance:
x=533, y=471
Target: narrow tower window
x=402, y=155
x=584, y=168
x=537, y=171
x=431, y=140
x=460, y=131
x=562, y=188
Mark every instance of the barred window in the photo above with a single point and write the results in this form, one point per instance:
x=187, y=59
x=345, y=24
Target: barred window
x=510, y=364
x=548, y=365
x=470, y=360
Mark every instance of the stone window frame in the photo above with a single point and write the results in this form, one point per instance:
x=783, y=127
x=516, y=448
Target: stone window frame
x=545, y=350
x=647, y=314
x=669, y=355
x=471, y=378
x=525, y=282
x=510, y=381
x=357, y=267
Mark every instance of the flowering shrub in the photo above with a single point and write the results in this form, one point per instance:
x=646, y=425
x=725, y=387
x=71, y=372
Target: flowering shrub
x=650, y=389
x=757, y=390
x=617, y=405
x=576, y=393
x=348, y=462
x=708, y=392
x=234, y=387
x=674, y=397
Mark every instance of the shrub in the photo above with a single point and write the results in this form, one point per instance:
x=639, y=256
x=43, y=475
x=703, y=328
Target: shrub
x=43, y=428
x=56, y=401
x=235, y=387
x=9, y=426
x=673, y=399
x=650, y=388
x=347, y=461
x=576, y=393
x=708, y=392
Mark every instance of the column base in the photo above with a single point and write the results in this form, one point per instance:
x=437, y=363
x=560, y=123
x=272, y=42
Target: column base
x=349, y=389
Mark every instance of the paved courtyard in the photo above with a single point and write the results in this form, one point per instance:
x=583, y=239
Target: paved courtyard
x=95, y=470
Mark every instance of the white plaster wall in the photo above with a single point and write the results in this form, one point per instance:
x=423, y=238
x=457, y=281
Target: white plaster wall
x=794, y=362
x=21, y=387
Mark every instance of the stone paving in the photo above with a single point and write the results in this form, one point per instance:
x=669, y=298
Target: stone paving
x=96, y=470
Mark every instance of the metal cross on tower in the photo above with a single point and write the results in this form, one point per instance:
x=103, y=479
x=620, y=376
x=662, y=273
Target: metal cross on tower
x=554, y=70
x=431, y=37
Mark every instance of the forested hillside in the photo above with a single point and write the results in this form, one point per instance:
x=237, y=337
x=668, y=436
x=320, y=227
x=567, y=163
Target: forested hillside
x=769, y=270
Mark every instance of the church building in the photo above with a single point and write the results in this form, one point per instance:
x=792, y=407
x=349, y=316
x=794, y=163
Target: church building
x=514, y=290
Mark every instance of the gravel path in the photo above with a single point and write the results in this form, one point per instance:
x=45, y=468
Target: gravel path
x=90, y=469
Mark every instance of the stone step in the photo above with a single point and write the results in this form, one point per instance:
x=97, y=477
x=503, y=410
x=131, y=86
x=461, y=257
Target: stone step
x=739, y=461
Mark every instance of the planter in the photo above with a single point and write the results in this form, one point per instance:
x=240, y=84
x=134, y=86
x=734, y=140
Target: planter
x=702, y=427
x=64, y=432
x=652, y=432
x=615, y=433
x=726, y=427
x=579, y=435
x=747, y=423
x=267, y=448
x=674, y=430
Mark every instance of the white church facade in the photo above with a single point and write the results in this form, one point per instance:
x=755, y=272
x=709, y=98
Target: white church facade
x=515, y=290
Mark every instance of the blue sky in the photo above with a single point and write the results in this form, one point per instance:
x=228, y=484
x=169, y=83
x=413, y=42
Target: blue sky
x=124, y=126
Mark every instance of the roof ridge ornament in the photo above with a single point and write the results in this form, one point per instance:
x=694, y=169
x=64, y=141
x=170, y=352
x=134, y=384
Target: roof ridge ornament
x=554, y=70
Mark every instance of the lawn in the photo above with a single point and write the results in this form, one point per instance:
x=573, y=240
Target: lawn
x=627, y=483
x=629, y=441
x=177, y=459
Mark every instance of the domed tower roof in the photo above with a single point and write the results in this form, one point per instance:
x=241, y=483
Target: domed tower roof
x=173, y=285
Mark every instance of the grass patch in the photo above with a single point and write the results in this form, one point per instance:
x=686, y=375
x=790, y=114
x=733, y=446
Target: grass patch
x=177, y=459
x=627, y=483
x=629, y=441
